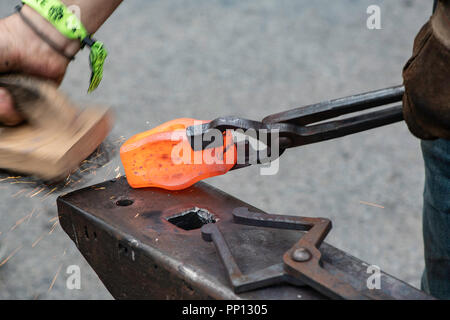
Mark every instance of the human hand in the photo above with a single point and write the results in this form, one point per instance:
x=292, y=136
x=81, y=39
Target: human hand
x=23, y=51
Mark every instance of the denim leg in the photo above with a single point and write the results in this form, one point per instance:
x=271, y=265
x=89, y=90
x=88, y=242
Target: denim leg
x=436, y=218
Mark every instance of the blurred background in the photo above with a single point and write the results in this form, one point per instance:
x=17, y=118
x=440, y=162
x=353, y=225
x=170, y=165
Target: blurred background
x=208, y=58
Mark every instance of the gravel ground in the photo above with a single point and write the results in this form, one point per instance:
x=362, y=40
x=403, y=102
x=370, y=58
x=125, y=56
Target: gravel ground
x=203, y=59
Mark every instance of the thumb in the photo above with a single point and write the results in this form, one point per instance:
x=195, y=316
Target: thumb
x=8, y=115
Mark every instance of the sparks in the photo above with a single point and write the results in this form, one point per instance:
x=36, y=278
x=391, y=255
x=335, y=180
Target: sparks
x=37, y=240
x=36, y=193
x=32, y=191
x=31, y=214
x=20, y=221
x=49, y=193
x=15, y=182
x=18, y=192
x=10, y=256
x=53, y=227
x=54, y=278
x=76, y=182
x=96, y=156
x=371, y=204
x=68, y=182
x=7, y=178
x=89, y=168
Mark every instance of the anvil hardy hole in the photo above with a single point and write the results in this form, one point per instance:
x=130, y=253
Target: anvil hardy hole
x=124, y=202
x=122, y=248
x=192, y=219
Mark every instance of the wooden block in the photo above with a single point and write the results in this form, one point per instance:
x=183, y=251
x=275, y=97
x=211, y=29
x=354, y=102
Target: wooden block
x=57, y=135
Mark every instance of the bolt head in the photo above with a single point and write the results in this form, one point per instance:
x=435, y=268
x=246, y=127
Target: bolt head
x=301, y=255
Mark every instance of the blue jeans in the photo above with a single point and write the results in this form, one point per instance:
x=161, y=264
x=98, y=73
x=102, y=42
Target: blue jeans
x=436, y=218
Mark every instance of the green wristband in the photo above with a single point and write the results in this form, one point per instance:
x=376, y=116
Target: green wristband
x=67, y=23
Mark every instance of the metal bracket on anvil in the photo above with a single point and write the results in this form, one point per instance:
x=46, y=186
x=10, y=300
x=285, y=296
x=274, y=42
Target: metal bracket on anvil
x=301, y=264
x=147, y=244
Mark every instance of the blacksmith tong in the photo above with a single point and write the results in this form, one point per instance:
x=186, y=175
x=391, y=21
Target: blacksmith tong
x=308, y=124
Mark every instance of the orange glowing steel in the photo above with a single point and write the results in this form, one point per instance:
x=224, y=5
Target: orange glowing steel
x=162, y=157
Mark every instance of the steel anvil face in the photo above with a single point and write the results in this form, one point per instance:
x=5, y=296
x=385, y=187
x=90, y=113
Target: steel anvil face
x=147, y=244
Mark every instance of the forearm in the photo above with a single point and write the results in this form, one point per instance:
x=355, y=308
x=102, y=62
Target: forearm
x=94, y=13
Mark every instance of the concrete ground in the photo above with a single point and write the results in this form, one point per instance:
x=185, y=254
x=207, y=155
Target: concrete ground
x=203, y=59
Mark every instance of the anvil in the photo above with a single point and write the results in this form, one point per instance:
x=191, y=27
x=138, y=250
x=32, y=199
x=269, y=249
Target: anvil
x=147, y=244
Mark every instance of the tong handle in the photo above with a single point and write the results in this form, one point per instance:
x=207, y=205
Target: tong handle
x=333, y=108
x=340, y=128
